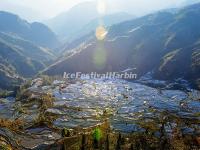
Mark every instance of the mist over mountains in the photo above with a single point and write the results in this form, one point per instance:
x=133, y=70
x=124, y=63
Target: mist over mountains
x=27, y=48
x=35, y=11
x=82, y=19
x=159, y=42
x=102, y=75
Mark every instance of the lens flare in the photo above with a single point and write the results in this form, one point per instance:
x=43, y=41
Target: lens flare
x=100, y=56
x=101, y=7
x=101, y=33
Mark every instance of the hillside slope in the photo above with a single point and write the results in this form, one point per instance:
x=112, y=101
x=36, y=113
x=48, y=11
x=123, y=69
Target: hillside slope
x=24, y=49
x=143, y=43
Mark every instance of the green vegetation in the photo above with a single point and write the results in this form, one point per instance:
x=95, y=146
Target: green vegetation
x=97, y=134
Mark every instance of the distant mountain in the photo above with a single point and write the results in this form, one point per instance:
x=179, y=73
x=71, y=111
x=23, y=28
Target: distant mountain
x=68, y=23
x=81, y=20
x=82, y=34
x=189, y=2
x=166, y=43
x=35, y=32
x=106, y=21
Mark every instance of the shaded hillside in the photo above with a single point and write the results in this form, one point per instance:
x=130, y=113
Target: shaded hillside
x=24, y=49
x=23, y=65
x=143, y=43
x=20, y=58
x=184, y=63
x=8, y=77
x=28, y=48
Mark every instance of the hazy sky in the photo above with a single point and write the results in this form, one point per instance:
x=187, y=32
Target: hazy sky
x=43, y=9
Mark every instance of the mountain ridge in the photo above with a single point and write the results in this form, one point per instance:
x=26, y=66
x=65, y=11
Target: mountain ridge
x=36, y=32
x=21, y=51
x=143, y=43
x=81, y=19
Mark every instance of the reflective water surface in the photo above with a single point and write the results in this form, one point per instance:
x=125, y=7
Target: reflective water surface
x=86, y=103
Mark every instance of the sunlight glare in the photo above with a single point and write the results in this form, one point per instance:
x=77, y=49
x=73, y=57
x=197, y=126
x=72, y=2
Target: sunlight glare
x=101, y=32
x=101, y=7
